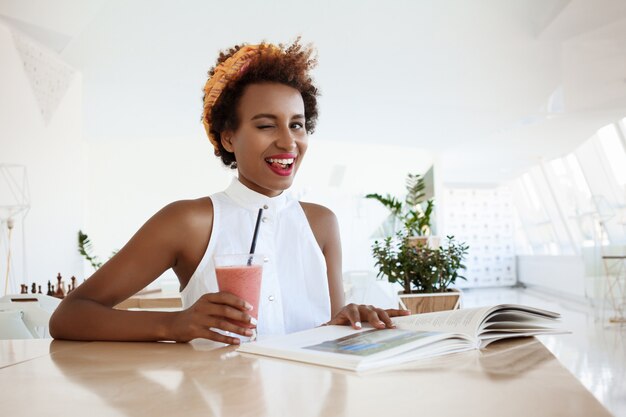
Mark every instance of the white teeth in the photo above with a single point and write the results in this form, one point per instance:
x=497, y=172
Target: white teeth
x=281, y=161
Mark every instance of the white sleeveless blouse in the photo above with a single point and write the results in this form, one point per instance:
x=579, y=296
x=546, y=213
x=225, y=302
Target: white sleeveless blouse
x=294, y=289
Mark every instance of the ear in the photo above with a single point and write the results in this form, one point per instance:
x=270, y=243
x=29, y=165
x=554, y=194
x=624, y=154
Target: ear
x=227, y=140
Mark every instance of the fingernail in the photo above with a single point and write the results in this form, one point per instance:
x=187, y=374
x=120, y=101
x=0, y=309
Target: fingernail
x=357, y=324
x=235, y=341
x=380, y=323
x=253, y=321
x=248, y=332
x=248, y=306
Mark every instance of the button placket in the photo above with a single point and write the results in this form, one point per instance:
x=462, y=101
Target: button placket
x=268, y=214
x=271, y=291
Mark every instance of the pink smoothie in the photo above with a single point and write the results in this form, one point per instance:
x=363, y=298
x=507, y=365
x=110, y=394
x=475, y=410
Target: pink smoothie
x=242, y=280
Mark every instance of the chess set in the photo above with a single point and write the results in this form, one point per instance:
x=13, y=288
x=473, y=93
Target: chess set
x=58, y=291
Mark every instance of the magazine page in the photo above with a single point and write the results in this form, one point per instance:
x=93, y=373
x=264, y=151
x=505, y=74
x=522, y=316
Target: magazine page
x=357, y=350
x=509, y=320
x=519, y=319
x=506, y=320
x=522, y=310
x=370, y=342
x=473, y=321
x=465, y=321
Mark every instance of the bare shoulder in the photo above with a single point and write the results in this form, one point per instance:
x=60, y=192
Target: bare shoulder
x=187, y=226
x=188, y=222
x=323, y=223
x=177, y=225
x=318, y=213
x=189, y=206
x=188, y=212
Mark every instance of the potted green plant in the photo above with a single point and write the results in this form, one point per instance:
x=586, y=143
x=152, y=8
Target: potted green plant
x=426, y=274
x=426, y=270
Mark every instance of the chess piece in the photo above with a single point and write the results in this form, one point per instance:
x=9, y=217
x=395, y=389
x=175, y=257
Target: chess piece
x=59, y=293
x=33, y=288
x=24, y=289
x=73, y=282
x=39, y=292
x=50, y=290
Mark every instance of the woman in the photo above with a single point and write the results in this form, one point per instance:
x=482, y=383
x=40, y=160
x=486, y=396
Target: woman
x=259, y=108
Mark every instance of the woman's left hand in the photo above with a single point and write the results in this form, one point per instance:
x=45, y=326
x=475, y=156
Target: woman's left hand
x=355, y=314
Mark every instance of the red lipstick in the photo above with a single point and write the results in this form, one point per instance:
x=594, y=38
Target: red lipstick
x=281, y=164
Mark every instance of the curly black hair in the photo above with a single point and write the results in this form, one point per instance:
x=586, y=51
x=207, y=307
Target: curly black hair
x=289, y=67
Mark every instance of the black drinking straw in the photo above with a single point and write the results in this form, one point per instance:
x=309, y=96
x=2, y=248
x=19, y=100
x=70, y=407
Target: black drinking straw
x=256, y=233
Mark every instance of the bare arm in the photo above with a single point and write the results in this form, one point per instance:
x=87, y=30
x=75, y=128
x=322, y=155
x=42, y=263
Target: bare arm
x=325, y=228
x=172, y=238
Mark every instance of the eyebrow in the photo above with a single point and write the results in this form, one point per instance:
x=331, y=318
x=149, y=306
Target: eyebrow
x=271, y=116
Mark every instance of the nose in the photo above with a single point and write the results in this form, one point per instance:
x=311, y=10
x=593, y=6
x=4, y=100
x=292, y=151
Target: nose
x=285, y=139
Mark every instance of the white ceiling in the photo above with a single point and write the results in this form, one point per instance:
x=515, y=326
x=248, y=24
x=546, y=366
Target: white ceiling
x=491, y=85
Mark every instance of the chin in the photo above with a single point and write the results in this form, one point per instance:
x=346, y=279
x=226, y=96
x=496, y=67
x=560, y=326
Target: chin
x=282, y=185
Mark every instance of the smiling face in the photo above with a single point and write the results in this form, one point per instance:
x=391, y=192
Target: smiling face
x=271, y=139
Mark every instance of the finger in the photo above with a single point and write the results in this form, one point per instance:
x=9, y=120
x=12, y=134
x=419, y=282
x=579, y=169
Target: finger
x=353, y=315
x=348, y=315
x=394, y=312
x=227, y=298
x=384, y=317
x=339, y=320
x=228, y=312
x=222, y=324
x=218, y=337
x=373, y=319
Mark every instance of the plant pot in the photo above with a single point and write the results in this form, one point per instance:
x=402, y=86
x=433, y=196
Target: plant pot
x=428, y=303
x=431, y=242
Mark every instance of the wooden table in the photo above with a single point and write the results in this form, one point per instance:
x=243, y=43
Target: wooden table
x=57, y=378
x=152, y=300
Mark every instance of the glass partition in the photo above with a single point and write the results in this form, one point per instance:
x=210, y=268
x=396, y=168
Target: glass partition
x=577, y=200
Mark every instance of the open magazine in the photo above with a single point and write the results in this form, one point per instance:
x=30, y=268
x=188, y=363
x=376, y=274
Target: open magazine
x=415, y=337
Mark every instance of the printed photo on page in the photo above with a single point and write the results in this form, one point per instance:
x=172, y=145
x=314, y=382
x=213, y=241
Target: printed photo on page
x=370, y=342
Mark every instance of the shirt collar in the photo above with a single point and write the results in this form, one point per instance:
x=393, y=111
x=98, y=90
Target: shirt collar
x=250, y=199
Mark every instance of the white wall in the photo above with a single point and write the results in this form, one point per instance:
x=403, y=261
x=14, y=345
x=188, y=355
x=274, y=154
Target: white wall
x=53, y=155
x=563, y=275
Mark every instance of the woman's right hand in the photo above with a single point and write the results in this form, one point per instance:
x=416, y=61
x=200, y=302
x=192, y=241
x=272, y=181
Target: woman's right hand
x=213, y=311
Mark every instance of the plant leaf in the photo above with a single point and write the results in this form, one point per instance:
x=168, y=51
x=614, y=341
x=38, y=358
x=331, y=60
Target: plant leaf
x=389, y=201
x=414, y=187
x=85, y=248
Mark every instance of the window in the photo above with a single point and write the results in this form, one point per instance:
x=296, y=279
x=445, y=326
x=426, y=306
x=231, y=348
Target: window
x=578, y=200
x=577, y=176
x=534, y=220
x=614, y=152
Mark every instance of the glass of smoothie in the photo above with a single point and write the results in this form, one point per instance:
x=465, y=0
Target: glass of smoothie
x=241, y=275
